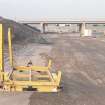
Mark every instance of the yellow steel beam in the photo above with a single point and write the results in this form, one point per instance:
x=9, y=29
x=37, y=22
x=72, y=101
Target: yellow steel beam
x=31, y=83
x=36, y=68
x=27, y=76
x=49, y=64
x=1, y=49
x=10, y=46
x=57, y=78
x=1, y=53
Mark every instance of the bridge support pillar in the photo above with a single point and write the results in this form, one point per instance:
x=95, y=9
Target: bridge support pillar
x=76, y=29
x=42, y=27
x=82, y=28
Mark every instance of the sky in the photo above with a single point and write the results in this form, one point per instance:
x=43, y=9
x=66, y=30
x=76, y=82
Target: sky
x=51, y=9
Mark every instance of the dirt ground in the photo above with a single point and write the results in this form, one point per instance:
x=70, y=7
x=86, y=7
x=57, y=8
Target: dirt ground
x=82, y=62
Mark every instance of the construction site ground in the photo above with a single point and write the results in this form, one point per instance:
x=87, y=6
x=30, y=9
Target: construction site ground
x=82, y=62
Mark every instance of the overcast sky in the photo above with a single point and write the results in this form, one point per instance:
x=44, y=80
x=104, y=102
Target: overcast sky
x=43, y=9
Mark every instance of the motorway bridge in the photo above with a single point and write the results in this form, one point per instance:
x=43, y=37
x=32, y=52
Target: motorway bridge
x=80, y=23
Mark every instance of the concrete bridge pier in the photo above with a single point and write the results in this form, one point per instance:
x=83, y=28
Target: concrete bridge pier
x=42, y=27
x=76, y=29
x=82, y=28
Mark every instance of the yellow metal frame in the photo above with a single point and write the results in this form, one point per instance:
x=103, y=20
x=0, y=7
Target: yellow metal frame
x=26, y=78
x=10, y=46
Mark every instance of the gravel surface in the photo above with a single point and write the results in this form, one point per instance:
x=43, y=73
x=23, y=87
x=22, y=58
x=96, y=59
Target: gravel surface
x=82, y=62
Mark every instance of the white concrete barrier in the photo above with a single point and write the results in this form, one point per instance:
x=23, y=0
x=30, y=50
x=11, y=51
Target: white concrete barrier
x=87, y=32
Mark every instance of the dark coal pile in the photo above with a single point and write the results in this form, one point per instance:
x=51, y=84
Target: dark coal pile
x=22, y=32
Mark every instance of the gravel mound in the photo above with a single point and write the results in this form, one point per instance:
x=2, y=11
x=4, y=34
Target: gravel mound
x=22, y=32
